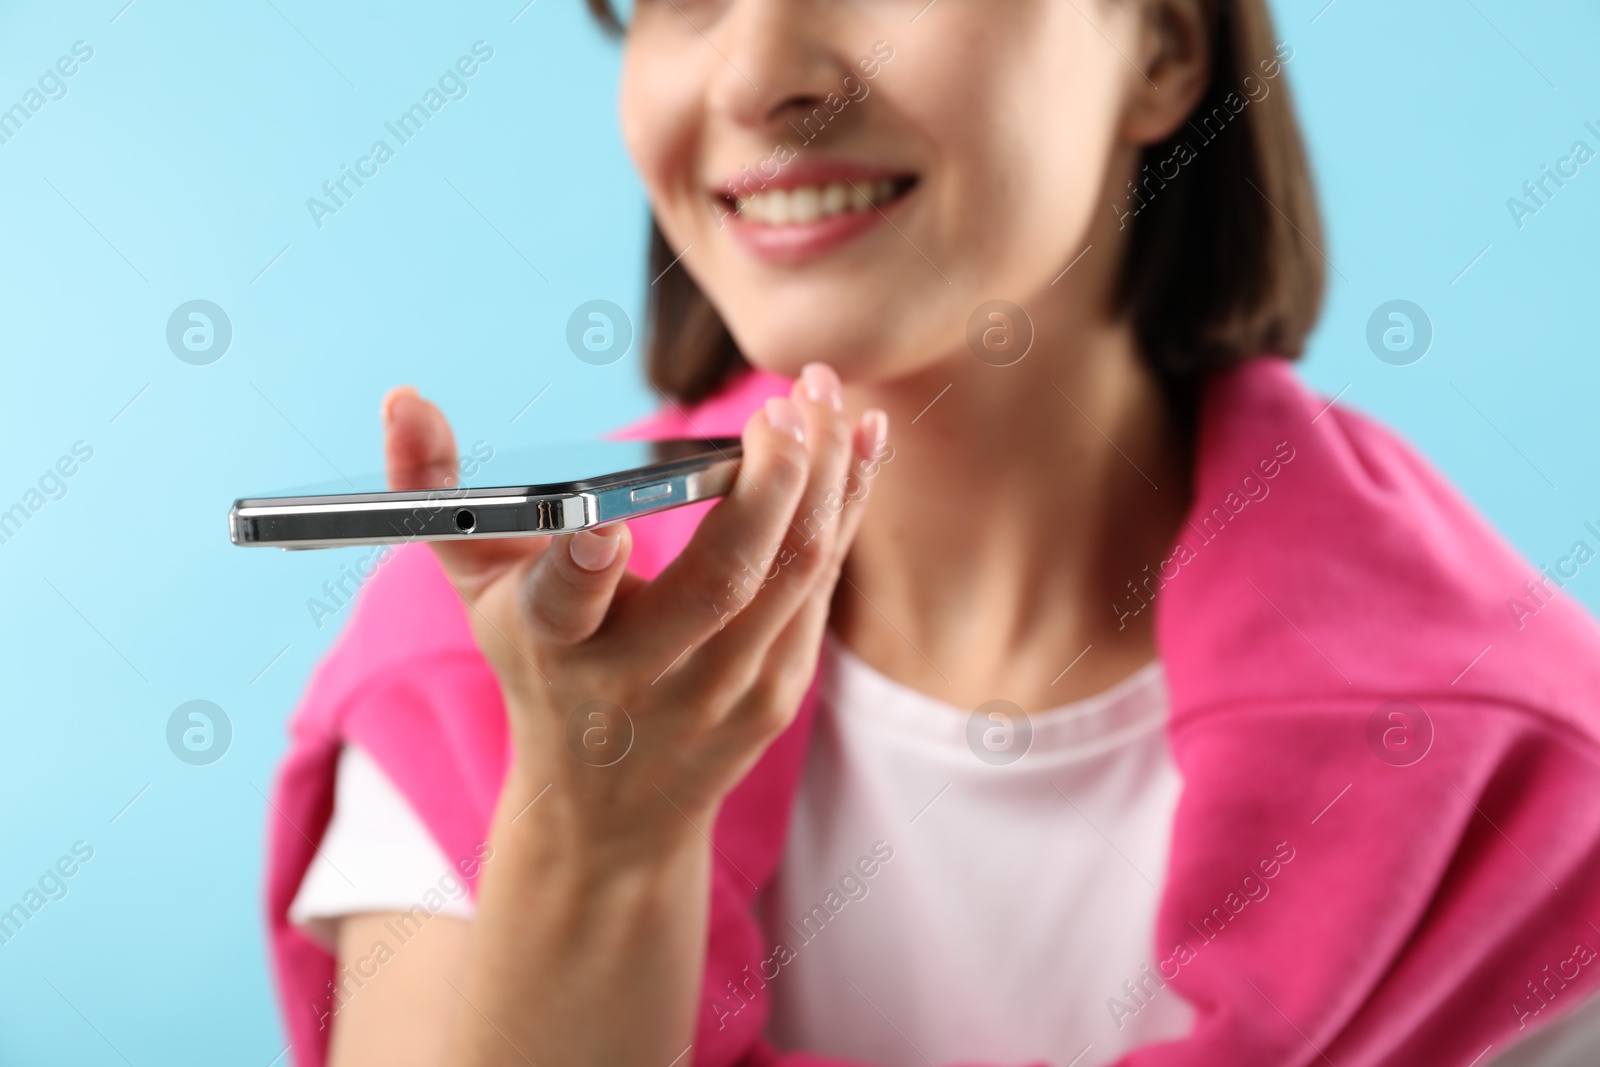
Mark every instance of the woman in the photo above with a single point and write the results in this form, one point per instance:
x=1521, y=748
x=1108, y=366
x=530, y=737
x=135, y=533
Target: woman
x=1154, y=712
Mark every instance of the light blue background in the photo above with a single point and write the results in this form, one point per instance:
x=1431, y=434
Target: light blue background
x=191, y=141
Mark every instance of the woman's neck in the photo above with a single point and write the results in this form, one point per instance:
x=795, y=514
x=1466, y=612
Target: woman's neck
x=1017, y=505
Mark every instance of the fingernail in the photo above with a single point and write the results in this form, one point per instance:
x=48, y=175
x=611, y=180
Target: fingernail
x=593, y=550
x=874, y=431
x=822, y=385
x=386, y=408
x=783, y=415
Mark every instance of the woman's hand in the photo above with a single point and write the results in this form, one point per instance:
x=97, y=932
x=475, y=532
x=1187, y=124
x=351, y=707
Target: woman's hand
x=634, y=707
x=707, y=663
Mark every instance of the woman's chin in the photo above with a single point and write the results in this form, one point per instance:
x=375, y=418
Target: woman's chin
x=853, y=366
x=860, y=352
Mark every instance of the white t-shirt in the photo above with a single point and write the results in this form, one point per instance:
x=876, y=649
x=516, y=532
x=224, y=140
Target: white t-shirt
x=940, y=899
x=376, y=856
x=1020, y=895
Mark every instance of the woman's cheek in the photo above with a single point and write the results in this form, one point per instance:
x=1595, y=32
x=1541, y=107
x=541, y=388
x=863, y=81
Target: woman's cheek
x=659, y=113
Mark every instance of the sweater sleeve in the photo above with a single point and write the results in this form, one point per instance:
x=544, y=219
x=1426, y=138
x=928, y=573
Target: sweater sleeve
x=1335, y=894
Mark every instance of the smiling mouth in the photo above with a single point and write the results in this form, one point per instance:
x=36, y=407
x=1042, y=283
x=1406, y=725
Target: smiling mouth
x=804, y=204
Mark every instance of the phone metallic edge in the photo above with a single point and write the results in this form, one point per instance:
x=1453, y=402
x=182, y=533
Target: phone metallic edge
x=694, y=470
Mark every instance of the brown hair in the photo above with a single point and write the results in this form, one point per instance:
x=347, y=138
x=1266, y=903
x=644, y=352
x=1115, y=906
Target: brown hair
x=1223, y=263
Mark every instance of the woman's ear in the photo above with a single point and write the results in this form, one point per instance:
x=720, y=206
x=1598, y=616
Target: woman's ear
x=1175, y=52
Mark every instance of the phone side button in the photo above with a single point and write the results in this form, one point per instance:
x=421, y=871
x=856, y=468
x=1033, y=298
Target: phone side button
x=646, y=493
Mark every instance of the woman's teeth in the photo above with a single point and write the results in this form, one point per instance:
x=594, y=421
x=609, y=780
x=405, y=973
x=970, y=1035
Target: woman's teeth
x=808, y=203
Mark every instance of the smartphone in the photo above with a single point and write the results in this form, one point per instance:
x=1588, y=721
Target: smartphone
x=552, y=489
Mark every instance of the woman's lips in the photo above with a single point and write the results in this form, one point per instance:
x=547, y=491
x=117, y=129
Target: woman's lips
x=806, y=216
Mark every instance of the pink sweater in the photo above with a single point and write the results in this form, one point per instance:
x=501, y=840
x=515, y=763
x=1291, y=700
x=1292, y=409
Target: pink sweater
x=1351, y=881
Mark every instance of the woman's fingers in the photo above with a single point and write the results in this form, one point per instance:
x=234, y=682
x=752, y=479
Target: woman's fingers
x=420, y=453
x=815, y=528
x=808, y=544
x=785, y=622
x=569, y=590
x=735, y=544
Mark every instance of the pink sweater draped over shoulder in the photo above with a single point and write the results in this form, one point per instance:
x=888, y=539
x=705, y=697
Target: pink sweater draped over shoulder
x=1387, y=849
